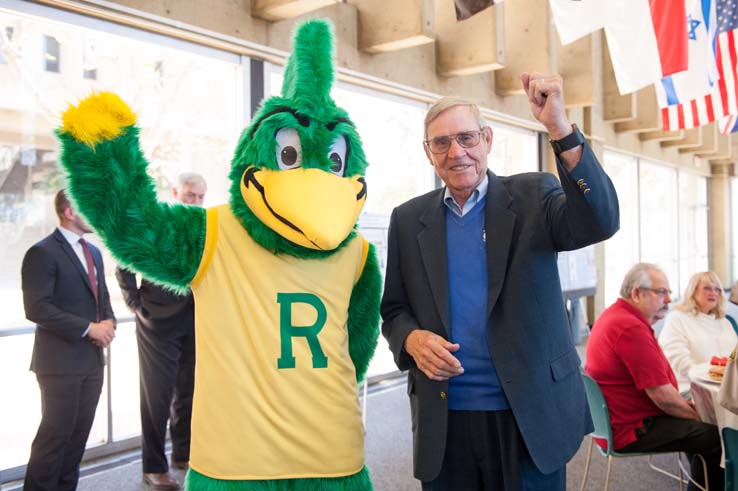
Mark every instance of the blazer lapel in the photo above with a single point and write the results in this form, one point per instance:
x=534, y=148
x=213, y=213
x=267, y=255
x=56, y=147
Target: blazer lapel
x=499, y=223
x=432, y=244
x=73, y=258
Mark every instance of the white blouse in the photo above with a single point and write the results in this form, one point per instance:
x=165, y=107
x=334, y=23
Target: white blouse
x=688, y=340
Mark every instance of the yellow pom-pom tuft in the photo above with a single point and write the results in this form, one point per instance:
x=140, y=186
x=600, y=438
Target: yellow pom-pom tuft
x=102, y=116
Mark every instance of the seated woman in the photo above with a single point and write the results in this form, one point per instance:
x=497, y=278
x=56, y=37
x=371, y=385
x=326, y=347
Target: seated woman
x=697, y=329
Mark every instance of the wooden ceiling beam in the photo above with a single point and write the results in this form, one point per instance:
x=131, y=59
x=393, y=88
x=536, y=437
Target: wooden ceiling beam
x=274, y=10
x=527, y=44
x=692, y=139
x=646, y=113
x=407, y=24
x=474, y=45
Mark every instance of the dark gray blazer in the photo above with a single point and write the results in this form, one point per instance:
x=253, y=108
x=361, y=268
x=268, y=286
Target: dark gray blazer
x=58, y=297
x=528, y=218
x=159, y=312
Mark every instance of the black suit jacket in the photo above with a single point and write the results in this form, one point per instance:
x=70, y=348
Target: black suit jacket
x=158, y=311
x=528, y=218
x=58, y=297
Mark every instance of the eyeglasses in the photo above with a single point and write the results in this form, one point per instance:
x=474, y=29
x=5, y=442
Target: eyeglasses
x=711, y=289
x=465, y=139
x=662, y=292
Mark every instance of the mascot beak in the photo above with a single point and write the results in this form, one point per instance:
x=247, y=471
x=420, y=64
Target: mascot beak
x=309, y=207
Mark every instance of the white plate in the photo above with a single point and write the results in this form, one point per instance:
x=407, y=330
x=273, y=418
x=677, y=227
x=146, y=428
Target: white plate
x=699, y=372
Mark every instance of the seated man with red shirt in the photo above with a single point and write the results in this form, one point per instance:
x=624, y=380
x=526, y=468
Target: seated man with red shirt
x=623, y=357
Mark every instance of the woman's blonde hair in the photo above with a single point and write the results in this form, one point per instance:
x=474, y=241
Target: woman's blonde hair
x=688, y=304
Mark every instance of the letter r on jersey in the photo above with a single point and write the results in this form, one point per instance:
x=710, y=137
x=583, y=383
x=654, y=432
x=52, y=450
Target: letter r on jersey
x=287, y=331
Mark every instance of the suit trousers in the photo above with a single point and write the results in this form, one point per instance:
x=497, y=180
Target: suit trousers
x=167, y=379
x=485, y=452
x=666, y=433
x=68, y=404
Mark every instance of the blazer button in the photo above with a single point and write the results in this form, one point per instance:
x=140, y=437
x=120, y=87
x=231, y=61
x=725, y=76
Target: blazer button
x=579, y=182
x=586, y=191
x=444, y=396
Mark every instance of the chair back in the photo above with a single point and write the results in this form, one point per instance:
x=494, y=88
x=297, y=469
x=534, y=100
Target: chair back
x=730, y=443
x=599, y=411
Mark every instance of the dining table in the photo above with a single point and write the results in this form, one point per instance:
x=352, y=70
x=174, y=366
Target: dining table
x=704, y=392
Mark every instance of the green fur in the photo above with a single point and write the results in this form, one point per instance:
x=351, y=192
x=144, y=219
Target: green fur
x=110, y=187
x=357, y=482
x=363, y=321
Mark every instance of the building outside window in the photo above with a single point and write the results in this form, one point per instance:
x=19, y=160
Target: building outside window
x=51, y=54
x=190, y=118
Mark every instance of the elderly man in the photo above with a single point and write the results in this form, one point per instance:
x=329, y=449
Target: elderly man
x=64, y=293
x=472, y=305
x=623, y=357
x=165, y=330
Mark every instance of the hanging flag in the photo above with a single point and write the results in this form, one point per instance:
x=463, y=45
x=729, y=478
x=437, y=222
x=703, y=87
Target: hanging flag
x=699, y=79
x=647, y=40
x=729, y=124
x=723, y=99
x=467, y=8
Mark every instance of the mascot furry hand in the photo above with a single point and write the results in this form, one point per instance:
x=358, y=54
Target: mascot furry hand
x=287, y=292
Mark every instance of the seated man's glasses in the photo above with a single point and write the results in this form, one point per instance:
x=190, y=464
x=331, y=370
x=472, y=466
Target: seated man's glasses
x=658, y=291
x=465, y=139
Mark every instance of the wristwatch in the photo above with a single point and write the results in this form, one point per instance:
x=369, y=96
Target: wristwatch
x=570, y=141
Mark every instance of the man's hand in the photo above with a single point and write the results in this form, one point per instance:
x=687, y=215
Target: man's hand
x=102, y=333
x=432, y=354
x=546, y=98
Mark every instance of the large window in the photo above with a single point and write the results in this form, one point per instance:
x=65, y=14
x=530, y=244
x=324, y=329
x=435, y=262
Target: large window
x=514, y=150
x=663, y=220
x=734, y=226
x=658, y=221
x=189, y=103
x=622, y=250
x=693, y=240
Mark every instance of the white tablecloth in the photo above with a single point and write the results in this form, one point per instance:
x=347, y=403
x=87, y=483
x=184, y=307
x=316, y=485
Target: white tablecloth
x=705, y=397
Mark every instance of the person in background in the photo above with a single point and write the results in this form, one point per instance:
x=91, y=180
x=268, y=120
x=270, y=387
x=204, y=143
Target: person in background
x=647, y=413
x=165, y=331
x=64, y=294
x=472, y=303
x=696, y=329
x=731, y=306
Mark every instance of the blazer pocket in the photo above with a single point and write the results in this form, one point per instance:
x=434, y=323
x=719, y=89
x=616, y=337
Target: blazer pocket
x=565, y=365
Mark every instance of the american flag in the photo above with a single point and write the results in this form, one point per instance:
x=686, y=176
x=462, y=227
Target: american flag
x=723, y=100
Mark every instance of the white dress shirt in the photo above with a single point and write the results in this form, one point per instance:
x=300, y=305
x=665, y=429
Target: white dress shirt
x=73, y=240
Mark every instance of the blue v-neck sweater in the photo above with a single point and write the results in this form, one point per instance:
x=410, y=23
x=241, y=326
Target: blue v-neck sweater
x=478, y=388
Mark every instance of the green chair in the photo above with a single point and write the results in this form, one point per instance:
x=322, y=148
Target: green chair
x=730, y=444
x=603, y=429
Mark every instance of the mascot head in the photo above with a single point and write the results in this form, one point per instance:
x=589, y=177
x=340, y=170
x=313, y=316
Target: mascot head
x=297, y=175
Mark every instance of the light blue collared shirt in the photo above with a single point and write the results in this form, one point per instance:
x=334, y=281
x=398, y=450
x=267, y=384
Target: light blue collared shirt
x=476, y=195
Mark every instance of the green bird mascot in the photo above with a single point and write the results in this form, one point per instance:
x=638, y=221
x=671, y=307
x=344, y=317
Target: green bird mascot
x=286, y=290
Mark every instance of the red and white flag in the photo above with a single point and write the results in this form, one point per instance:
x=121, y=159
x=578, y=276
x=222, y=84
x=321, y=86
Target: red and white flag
x=723, y=99
x=647, y=38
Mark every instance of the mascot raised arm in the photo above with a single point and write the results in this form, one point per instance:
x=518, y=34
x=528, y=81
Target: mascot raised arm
x=286, y=290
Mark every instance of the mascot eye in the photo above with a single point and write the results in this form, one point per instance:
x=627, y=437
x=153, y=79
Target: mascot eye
x=337, y=155
x=289, y=149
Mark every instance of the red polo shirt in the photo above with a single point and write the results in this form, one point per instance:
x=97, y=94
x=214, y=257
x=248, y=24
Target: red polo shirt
x=624, y=358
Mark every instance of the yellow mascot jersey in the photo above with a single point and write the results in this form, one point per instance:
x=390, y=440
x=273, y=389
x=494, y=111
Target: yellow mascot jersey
x=275, y=388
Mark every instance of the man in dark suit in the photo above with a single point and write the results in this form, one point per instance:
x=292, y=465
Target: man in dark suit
x=472, y=305
x=165, y=330
x=64, y=293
